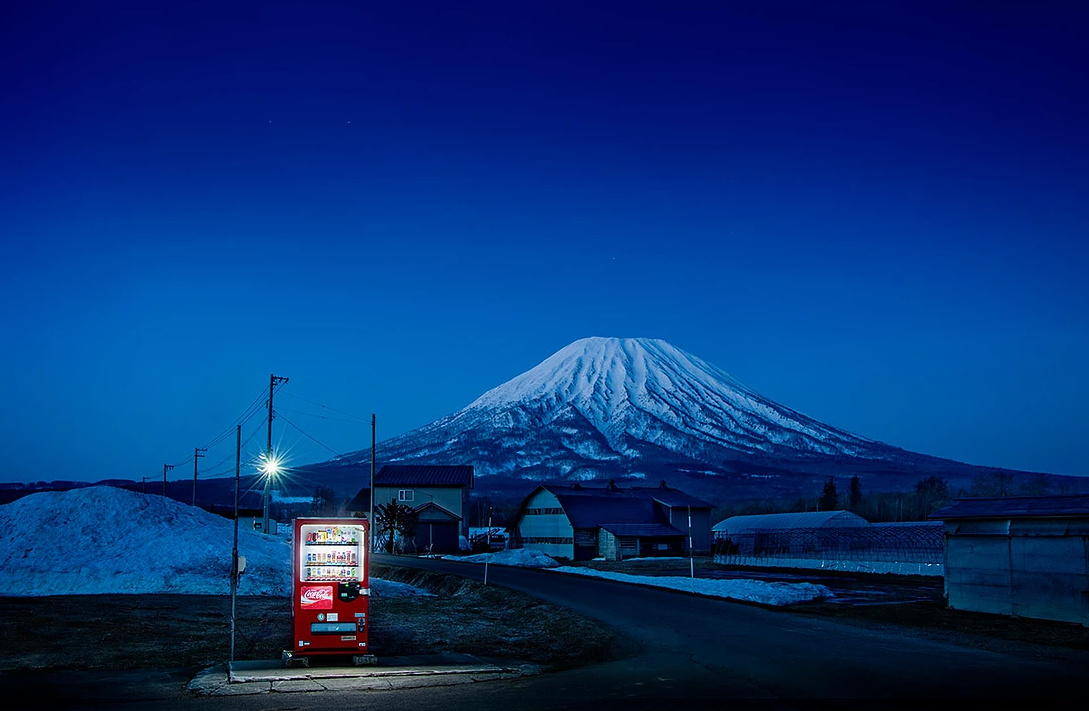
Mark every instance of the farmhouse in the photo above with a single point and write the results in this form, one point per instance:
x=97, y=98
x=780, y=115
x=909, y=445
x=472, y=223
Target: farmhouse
x=580, y=522
x=438, y=494
x=1023, y=556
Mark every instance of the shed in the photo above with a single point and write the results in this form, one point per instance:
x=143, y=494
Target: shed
x=1024, y=556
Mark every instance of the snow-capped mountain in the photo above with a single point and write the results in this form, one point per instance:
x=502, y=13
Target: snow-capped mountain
x=610, y=405
x=627, y=407
x=640, y=408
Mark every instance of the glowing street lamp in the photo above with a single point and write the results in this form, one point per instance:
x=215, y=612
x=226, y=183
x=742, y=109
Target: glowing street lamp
x=270, y=468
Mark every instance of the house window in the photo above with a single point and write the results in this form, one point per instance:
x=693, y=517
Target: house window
x=404, y=495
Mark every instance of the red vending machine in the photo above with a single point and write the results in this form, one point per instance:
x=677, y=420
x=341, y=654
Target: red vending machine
x=331, y=589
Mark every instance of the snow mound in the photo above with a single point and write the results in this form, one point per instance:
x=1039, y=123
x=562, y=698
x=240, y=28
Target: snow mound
x=104, y=540
x=517, y=557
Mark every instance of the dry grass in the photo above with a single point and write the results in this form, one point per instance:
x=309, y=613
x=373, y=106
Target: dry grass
x=123, y=632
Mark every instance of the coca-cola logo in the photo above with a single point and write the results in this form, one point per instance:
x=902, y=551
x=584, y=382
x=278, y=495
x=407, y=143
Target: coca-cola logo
x=317, y=597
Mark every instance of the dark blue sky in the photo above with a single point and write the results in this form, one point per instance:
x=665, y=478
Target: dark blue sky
x=873, y=213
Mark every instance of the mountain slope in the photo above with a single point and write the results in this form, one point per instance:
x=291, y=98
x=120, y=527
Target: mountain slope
x=606, y=408
x=623, y=403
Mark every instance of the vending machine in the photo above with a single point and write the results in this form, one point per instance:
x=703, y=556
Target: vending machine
x=331, y=589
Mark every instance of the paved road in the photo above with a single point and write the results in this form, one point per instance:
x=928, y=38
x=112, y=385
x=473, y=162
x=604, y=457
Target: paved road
x=703, y=647
x=698, y=652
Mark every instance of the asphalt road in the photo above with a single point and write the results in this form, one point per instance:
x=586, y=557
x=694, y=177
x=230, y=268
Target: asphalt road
x=695, y=647
x=695, y=651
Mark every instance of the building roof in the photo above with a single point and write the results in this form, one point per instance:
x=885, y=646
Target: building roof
x=431, y=512
x=424, y=475
x=589, y=506
x=1014, y=507
x=673, y=498
x=774, y=522
x=906, y=524
x=413, y=475
x=643, y=530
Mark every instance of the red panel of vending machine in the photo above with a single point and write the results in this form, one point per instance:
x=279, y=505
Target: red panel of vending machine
x=331, y=587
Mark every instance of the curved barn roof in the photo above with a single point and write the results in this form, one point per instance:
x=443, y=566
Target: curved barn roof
x=778, y=522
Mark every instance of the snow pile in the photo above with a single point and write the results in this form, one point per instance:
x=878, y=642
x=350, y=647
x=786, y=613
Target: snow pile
x=104, y=540
x=766, y=593
x=517, y=557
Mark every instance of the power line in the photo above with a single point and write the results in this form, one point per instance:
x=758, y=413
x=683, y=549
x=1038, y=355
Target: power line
x=322, y=417
x=251, y=410
x=253, y=434
x=248, y=413
x=308, y=435
x=339, y=412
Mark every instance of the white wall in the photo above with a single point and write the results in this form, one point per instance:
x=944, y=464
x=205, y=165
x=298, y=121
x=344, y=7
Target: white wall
x=555, y=528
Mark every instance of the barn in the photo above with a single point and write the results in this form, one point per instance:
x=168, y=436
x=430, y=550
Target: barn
x=1021, y=556
x=580, y=522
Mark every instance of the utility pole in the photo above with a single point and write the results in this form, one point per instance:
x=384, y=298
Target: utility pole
x=143, y=485
x=198, y=452
x=691, y=559
x=234, y=549
x=166, y=468
x=488, y=538
x=272, y=381
x=370, y=516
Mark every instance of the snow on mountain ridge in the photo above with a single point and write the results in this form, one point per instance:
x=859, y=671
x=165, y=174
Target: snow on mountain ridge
x=620, y=407
x=630, y=385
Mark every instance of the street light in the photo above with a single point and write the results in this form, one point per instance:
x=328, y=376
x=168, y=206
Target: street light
x=270, y=467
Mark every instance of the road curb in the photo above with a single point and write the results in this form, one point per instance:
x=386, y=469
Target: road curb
x=262, y=677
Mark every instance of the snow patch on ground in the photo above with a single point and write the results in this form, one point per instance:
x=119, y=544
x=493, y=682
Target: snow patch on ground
x=766, y=593
x=517, y=557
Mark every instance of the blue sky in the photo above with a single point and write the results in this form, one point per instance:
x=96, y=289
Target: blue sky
x=873, y=213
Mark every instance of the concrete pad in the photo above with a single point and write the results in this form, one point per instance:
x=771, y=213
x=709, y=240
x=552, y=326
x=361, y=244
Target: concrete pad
x=268, y=676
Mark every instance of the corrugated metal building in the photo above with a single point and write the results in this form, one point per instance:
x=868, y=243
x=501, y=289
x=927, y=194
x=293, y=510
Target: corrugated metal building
x=580, y=522
x=1024, y=556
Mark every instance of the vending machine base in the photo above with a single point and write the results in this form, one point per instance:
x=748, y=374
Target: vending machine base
x=291, y=660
